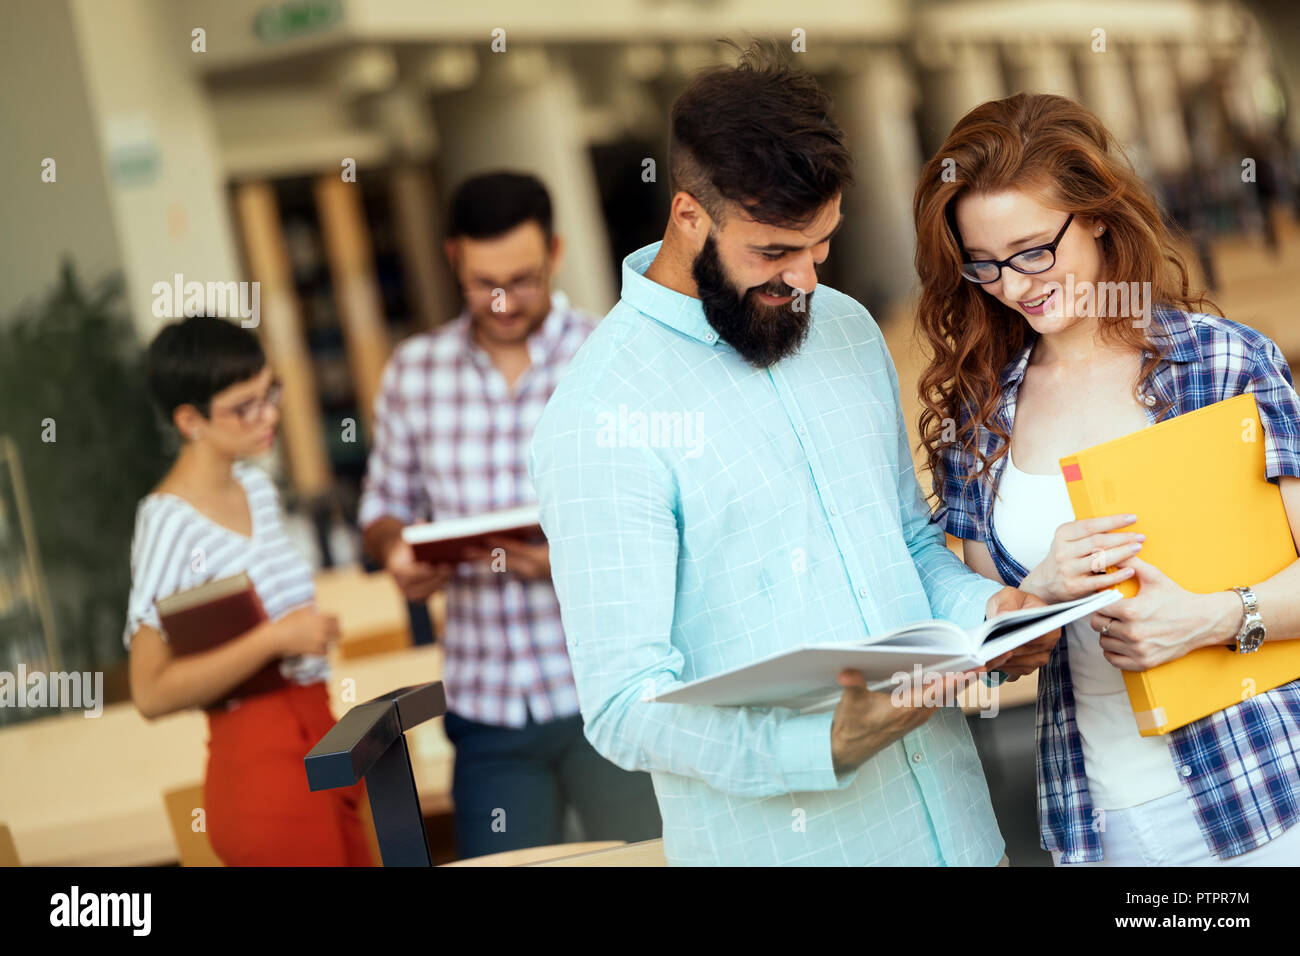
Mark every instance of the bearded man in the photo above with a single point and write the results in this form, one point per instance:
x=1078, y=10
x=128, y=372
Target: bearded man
x=791, y=516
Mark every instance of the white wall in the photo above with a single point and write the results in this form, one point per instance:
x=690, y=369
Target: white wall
x=44, y=112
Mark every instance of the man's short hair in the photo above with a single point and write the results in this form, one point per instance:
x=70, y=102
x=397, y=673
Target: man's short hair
x=491, y=204
x=760, y=134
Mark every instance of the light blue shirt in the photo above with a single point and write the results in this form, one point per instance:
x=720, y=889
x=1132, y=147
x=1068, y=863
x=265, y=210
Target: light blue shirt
x=702, y=514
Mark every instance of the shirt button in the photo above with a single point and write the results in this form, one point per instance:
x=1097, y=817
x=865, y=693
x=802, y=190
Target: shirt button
x=916, y=758
x=1187, y=771
x=1148, y=398
x=862, y=592
x=708, y=336
x=833, y=511
x=802, y=430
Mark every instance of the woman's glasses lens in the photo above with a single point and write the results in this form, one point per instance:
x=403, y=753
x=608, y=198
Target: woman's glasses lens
x=980, y=271
x=1027, y=263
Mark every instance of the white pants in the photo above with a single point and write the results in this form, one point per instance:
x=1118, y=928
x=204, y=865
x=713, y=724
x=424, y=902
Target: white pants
x=1163, y=832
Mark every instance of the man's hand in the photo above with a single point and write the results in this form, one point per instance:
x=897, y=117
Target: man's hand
x=529, y=561
x=868, y=721
x=417, y=580
x=1026, y=658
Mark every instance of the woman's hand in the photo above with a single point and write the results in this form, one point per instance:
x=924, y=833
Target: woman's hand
x=1066, y=572
x=1028, y=657
x=1163, y=622
x=304, y=631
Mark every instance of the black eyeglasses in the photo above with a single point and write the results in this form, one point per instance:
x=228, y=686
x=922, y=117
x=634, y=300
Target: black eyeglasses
x=1027, y=262
x=250, y=411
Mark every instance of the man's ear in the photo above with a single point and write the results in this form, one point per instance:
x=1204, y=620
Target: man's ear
x=451, y=248
x=557, y=252
x=689, y=218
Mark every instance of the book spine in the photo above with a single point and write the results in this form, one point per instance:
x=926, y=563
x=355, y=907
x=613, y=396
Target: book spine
x=1076, y=484
x=1151, y=720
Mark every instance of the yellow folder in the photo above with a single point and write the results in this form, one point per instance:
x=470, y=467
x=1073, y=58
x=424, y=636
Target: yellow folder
x=1212, y=521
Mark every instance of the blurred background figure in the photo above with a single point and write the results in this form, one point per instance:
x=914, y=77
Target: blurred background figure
x=453, y=424
x=160, y=152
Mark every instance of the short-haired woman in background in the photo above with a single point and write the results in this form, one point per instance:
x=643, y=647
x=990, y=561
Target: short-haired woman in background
x=1041, y=195
x=214, y=515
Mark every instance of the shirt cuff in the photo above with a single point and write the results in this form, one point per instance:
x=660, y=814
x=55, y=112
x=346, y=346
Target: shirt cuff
x=980, y=598
x=804, y=755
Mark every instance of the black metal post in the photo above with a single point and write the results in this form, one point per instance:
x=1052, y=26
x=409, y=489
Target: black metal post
x=369, y=741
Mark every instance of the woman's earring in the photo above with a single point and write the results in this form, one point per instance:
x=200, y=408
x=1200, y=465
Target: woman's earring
x=1100, y=230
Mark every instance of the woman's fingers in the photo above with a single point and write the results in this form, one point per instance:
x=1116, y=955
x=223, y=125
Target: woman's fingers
x=1091, y=526
x=1110, y=540
x=1109, y=557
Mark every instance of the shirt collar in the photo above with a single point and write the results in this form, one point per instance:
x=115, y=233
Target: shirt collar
x=1169, y=328
x=542, y=341
x=664, y=305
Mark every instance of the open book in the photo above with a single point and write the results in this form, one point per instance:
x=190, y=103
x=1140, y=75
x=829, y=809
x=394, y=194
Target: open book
x=446, y=541
x=805, y=677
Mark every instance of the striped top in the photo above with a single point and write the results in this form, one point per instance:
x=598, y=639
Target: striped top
x=176, y=548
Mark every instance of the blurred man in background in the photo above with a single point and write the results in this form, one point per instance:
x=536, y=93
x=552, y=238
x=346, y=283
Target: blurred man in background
x=452, y=424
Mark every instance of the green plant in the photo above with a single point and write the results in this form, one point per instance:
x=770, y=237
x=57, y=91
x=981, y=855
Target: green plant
x=74, y=400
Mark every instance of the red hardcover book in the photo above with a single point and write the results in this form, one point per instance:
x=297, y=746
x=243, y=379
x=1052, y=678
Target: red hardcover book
x=447, y=541
x=211, y=614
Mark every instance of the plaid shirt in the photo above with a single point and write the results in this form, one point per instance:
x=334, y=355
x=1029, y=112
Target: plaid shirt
x=451, y=440
x=1240, y=767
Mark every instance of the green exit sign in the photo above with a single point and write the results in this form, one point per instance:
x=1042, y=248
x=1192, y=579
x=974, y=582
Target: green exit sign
x=284, y=21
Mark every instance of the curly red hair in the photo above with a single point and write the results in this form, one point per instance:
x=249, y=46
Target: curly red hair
x=1062, y=151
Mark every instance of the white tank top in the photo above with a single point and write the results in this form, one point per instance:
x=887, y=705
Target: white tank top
x=1123, y=767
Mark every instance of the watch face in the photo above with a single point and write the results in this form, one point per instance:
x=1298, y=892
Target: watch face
x=1253, y=636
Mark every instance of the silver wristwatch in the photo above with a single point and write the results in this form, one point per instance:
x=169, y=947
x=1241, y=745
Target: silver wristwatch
x=1252, y=632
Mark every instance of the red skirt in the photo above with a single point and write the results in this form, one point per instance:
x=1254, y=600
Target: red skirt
x=259, y=810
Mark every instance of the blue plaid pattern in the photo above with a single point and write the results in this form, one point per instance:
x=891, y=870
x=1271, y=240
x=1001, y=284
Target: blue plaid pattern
x=1240, y=767
x=768, y=508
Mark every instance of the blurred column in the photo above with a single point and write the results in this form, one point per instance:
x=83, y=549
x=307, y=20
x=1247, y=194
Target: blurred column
x=1252, y=98
x=1279, y=21
x=874, y=105
x=403, y=114
x=153, y=125
x=1041, y=67
x=282, y=336
x=356, y=290
x=428, y=280
x=525, y=115
x=1164, y=130
x=1106, y=87
x=956, y=76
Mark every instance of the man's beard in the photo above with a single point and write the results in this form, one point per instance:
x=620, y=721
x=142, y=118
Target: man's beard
x=762, y=334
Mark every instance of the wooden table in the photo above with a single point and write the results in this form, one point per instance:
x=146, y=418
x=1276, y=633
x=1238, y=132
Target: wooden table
x=88, y=791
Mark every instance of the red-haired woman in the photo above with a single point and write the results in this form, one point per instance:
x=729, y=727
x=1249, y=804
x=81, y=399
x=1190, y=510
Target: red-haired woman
x=1028, y=200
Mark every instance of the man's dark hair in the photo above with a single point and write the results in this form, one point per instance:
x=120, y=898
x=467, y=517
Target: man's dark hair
x=491, y=204
x=191, y=360
x=760, y=134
